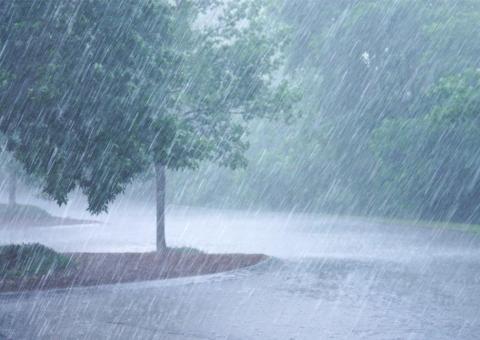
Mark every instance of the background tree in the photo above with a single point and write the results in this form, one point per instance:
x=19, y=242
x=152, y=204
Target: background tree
x=12, y=176
x=431, y=162
x=360, y=64
x=9, y=170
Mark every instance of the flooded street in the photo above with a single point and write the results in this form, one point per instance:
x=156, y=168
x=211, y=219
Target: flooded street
x=329, y=278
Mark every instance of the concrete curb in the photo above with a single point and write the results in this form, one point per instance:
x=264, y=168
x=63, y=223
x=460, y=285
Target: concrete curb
x=179, y=281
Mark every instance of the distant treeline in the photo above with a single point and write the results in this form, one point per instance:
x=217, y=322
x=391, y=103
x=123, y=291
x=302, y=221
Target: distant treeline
x=390, y=121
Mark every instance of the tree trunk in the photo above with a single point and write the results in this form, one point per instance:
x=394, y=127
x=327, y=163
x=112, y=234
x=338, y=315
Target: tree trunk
x=160, y=198
x=12, y=188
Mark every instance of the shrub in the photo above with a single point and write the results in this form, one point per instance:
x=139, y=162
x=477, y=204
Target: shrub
x=28, y=260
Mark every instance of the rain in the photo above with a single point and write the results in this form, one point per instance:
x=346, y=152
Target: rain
x=239, y=169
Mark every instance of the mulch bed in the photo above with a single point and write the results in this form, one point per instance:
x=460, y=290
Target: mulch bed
x=91, y=269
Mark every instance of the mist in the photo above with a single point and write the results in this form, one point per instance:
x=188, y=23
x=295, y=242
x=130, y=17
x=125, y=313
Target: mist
x=274, y=169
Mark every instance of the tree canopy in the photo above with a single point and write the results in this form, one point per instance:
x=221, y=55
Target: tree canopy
x=93, y=92
x=364, y=67
x=77, y=88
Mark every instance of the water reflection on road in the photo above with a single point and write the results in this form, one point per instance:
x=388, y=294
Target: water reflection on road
x=339, y=278
x=288, y=235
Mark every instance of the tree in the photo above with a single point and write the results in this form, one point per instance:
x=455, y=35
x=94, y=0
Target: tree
x=9, y=177
x=74, y=85
x=431, y=162
x=93, y=112
x=12, y=174
x=359, y=63
x=231, y=80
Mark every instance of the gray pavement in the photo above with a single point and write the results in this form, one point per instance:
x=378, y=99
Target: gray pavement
x=331, y=278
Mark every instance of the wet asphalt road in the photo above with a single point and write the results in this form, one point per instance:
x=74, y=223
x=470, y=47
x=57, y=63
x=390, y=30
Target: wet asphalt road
x=331, y=278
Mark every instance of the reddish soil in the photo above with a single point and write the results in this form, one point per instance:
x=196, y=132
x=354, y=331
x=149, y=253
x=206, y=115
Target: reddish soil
x=91, y=269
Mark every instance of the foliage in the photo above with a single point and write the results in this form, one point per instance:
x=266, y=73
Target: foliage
x=30, y=260
x=390, y=101
x=229, y=79
x=431, y=162
x=94, y=92
x=367, y=70
x=9, y=165
x=73, y=88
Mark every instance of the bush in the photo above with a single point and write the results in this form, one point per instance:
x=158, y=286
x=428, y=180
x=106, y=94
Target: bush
x=28, y=260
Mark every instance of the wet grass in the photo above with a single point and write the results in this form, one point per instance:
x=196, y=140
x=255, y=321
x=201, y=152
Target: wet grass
x=473, y=228
x=27, y=216
x=11, y=213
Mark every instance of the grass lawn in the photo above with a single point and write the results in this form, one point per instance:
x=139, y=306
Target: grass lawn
x=22, y=215
x=474, y=228
x=9, y=213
